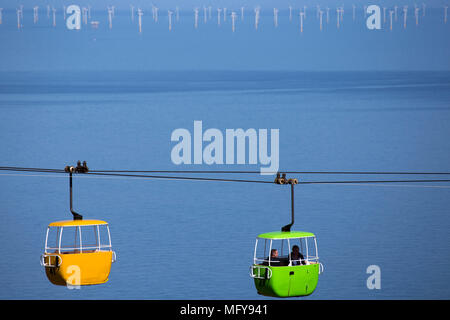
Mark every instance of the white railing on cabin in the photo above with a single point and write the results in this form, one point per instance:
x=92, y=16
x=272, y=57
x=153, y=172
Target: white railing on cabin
x=308, y=260
x=67, y=249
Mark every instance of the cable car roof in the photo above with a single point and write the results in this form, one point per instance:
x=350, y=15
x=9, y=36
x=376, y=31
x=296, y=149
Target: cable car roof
x=75, y=223
x=286, y=235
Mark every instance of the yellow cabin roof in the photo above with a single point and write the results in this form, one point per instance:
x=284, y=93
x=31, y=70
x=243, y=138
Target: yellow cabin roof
x=74, y=223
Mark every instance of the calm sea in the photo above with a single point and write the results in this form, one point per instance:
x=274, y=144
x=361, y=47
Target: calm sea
x=185, y=239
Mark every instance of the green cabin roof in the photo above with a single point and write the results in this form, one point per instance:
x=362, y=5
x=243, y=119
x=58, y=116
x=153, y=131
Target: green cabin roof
x=286, y=235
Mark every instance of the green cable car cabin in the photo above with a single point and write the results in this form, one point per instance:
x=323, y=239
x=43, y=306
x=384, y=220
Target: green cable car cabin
x=286, y=264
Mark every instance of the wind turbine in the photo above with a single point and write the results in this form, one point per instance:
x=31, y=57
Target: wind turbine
x=169, y=14
x=233, y=19
x=224, y=14
x=405, y=15
x=177, y=13
x=391, y=12
x=354, y=12
x=219, y=10
x=290, y=13
x=156, y=14
x=317, y=11
x=19, y=24
x=302, y=16
x=304, y=11
x=416, y=14
x=242, y=13
x=54, y=16
x=320, y=19
x=48, y=11
x=204, y=15
x=110, y=17
x=384, y=15
x=338, y=17
x=140, y=13
x=275, y=17
x=195, y=18
x=1, y=15
x=89, y=12
x=85, y=19
x=423, y=9
x=35, y=14
x=257, y=11
x=395, y=12
x=328, y=15
x=445, y=14
x=132, y=12
x=209, y=13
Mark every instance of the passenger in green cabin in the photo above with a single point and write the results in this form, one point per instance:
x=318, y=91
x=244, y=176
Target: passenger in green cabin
x=296, y=257
x=274, y=260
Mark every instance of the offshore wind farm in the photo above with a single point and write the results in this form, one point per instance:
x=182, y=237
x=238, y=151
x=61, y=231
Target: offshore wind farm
x=293, y=16
x=172, y=35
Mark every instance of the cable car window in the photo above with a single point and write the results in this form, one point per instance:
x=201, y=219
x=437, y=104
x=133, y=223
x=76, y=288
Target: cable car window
x=297, y=245
x=262, y=251
x=104, y=235
x=70, y=240
x=312, y=250
x=89, y=238
x=52, y=239
x=279, y=253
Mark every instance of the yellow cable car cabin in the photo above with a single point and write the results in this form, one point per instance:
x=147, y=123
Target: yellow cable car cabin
x=78, y=252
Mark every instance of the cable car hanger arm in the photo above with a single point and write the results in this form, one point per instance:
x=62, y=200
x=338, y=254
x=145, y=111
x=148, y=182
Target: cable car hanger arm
x=80, y=169
x=282, y=180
